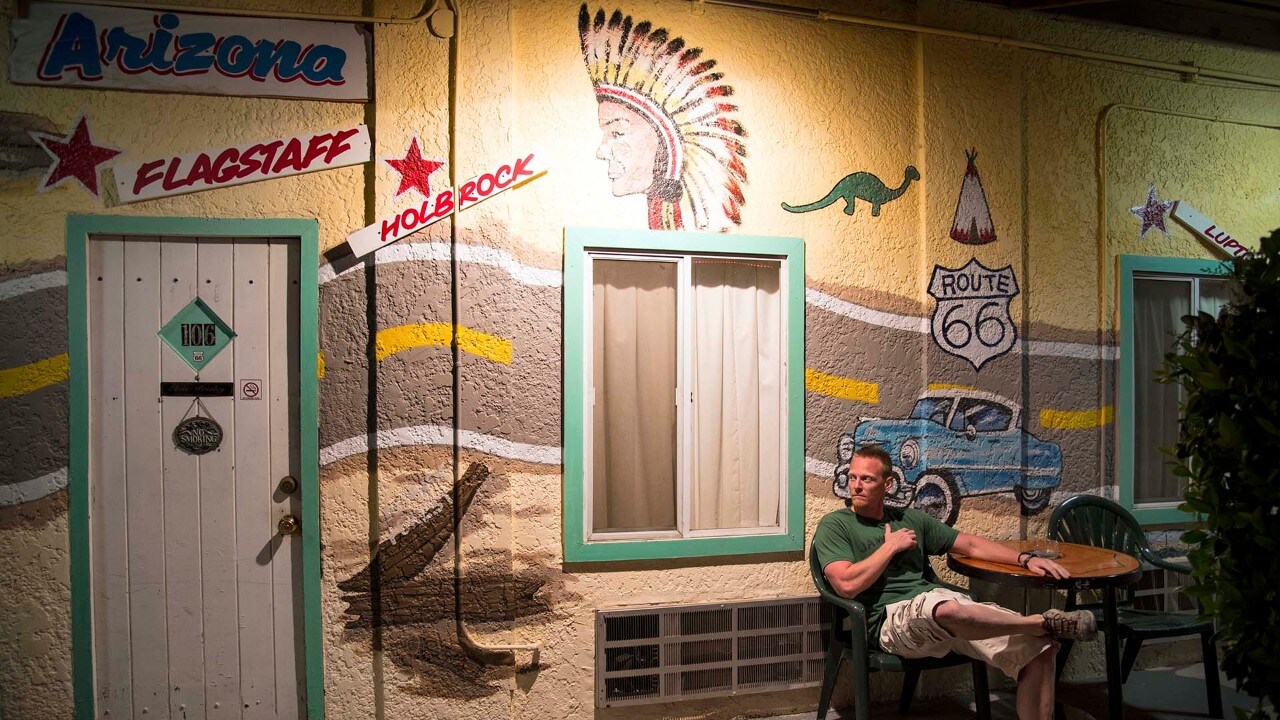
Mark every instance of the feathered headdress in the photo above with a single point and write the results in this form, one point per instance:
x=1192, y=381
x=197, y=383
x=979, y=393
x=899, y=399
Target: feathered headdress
x=682, y=95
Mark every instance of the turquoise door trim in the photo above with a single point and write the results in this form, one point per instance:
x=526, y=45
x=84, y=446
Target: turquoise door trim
x=576, y=242
x=79, y=228
x=1130, y=264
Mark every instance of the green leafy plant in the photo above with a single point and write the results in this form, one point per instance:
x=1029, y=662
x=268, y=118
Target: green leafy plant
x=1229, y=451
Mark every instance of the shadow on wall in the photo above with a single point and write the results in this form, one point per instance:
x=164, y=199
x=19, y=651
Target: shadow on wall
x=409, y=598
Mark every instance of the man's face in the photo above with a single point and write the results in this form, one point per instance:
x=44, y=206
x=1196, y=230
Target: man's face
x=867, y=484
x=630, y=145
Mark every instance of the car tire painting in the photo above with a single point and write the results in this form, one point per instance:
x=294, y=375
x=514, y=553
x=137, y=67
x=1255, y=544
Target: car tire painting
x=953, y=444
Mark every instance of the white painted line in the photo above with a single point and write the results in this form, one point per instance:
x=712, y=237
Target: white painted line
x=821, y=468
x=442, y=435
x=33, y=489
x=910, y=323
x=524, y=274
x=31, y=283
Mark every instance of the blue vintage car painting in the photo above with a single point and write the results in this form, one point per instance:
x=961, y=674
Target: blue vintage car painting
x=953, y=444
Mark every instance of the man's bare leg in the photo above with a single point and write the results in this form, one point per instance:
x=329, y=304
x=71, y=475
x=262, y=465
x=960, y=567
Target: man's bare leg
x=1036, y=686
x=979, y=622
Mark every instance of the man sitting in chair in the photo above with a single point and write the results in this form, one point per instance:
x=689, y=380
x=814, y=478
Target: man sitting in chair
x=876, y=555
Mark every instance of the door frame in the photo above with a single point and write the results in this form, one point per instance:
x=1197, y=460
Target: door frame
x=307, y=232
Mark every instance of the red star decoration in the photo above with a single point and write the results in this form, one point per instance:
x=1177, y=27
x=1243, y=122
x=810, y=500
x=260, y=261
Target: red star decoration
x=1152, y=212
x=75, y=157
x=415, y=170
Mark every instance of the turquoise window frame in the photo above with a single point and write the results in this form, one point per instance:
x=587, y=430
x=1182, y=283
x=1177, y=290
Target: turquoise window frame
x=1129, y=265
x=577, y=242
x=79, y=229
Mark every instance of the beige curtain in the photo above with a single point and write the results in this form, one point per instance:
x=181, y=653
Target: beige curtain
x=1158, y=307
x=737, y=379
x=634, y=418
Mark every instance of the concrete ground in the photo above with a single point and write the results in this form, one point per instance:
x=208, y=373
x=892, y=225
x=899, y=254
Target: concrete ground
x=1153, y=694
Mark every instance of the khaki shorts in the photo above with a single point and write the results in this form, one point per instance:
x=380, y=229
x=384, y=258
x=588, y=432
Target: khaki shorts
x=910, y=631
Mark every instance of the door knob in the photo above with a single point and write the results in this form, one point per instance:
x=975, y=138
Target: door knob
x=288, y=485
x=289, y=525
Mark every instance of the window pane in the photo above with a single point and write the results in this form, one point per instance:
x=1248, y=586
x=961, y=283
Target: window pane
x=634, y=415
x=1158, y=308
x=737, y=354
x=934, y=409
x=1214, y=295
x=984, y=416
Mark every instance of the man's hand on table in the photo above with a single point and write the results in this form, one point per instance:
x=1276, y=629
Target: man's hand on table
x=1044, y=566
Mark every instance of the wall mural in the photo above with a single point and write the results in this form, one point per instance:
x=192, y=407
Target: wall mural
x=415, y=597
x=972, y=224
x=75, y=157
x=1152, y=212
x=953, y=444
x=971, y=319
x=666, y=130
x=860, y=186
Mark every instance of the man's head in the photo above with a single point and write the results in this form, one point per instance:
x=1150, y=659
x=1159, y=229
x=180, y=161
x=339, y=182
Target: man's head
x=869, y=471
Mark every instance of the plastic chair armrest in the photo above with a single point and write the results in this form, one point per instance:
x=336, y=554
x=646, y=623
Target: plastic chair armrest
x=857, y=612
x=1156, y=561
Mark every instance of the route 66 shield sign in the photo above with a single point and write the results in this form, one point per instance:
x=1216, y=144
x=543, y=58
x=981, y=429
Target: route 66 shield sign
x=971, y=319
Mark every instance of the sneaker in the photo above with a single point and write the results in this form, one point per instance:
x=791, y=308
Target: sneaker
x=1074, y=625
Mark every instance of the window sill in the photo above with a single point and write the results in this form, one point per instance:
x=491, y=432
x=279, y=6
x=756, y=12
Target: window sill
x=617, y=550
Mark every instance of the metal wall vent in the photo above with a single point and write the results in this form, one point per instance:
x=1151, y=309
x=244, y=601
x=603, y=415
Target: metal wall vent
x=662, y=653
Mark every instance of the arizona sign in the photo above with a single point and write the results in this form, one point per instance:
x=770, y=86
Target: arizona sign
x=105, y=47
x=446, y=202
x=240, y=164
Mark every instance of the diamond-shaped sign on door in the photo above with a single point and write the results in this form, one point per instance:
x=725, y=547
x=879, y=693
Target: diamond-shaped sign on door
x=196, y=334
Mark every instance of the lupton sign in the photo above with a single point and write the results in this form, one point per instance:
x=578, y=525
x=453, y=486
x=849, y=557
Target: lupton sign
x=1208, y=230
x=161, y=51
x=447, y=202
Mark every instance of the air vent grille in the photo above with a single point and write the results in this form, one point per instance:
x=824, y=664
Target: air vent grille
x=677, y=652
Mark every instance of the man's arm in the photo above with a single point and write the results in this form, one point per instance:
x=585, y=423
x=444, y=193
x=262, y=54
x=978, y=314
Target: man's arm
x=849, y=579
x=984, y=549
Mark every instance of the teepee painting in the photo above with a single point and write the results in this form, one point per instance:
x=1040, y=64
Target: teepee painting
x=972, y=224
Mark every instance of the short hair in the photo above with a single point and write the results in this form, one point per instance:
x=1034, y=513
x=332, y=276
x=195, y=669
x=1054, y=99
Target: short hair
x=876, y=452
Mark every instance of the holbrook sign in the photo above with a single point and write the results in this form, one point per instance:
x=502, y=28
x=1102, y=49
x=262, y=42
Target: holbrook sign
x=447, y=202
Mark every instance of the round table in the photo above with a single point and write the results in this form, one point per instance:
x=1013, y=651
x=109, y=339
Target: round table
x=1091, y=568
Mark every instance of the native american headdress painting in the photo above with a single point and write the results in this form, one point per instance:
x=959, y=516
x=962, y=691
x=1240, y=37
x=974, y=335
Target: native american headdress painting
x=679, y=93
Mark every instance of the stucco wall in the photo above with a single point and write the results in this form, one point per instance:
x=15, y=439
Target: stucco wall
x=818, y=101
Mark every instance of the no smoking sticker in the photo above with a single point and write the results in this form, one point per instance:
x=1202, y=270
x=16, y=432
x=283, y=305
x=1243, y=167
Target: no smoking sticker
x=250, y=389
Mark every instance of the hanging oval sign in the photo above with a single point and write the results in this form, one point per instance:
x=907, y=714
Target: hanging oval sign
x=197, y=435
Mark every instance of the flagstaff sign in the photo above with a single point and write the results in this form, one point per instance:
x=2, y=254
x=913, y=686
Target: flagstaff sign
x=158, y=51
x=445, y=203
x=240, y=164
x=1205, y=228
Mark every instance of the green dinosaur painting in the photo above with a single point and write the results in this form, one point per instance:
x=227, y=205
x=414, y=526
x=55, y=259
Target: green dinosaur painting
x=859, y=186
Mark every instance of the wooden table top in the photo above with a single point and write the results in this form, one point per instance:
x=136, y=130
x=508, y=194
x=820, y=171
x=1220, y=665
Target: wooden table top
x=1090, y=567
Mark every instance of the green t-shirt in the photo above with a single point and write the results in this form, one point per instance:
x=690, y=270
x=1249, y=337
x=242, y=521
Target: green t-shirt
x=844, y=535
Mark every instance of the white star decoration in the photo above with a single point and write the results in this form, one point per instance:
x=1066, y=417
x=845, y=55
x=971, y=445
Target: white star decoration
x=1152, y=212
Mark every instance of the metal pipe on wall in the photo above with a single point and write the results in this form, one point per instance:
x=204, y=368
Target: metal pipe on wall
x=1190, y=70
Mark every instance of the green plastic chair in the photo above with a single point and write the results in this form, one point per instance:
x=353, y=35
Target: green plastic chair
x=851, y=643
x=1096, y=521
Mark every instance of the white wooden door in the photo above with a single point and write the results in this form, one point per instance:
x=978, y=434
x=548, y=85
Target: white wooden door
x=197, y=596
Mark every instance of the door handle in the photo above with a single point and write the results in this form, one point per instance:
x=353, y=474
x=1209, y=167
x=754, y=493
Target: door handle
x=288, y=525
x=288, y=485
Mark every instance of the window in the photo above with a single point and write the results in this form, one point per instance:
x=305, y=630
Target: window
x=1155, y=294
x=684, y=390
x=984, y=416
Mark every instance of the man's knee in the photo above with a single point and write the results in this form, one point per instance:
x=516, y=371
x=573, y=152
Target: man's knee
x=948, y=611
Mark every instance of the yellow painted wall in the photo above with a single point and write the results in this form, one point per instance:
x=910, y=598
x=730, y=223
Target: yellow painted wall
x=819, y=100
